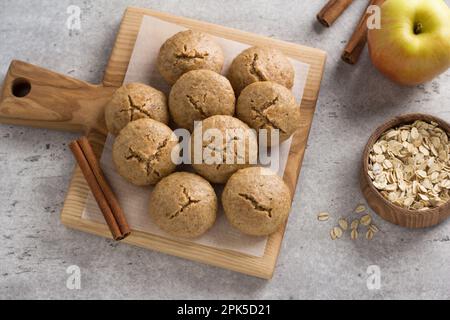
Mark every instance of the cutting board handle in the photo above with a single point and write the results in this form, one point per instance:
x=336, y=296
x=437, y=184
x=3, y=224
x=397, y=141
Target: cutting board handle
x=37, y=97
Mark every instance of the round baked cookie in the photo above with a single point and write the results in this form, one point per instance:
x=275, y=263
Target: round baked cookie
x=220, y=145
x=135, y=101
x=260, y=64
x=200, y=94
x=256, y=201
x=269, y=105
x=183, y=205
x=186, y=51
x=142, y=152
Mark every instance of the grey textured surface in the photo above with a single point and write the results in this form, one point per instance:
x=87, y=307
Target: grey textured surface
x=35, y=169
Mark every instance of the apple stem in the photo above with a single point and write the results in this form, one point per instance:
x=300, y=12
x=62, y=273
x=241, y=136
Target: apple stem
x=418, y=28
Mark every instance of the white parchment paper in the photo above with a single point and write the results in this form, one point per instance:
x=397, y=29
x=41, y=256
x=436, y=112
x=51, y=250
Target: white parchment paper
x=134, y=200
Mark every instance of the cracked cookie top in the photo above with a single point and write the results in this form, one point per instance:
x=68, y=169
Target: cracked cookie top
x=268, y=105
x=135, y=101
x=186, y=51
x=200, y=94
x=256, y=201
x=142, y=152
x=183, y=205
x=260, y=64
x=217, y=158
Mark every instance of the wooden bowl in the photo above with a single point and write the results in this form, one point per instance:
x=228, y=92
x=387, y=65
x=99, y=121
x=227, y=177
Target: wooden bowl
x=384, y=208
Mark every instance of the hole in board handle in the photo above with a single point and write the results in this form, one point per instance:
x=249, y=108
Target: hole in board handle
x=21, y=87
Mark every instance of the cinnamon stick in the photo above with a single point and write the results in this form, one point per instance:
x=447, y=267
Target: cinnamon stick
x=100, y=188
x=358, y=40
x=332, y=10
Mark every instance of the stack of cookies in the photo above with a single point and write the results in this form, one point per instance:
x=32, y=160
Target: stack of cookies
x=252, y=107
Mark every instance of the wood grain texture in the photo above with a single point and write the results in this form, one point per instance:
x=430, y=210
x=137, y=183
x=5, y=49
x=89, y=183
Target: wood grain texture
x=54, y=101
x=384, y=208
x=114, y=75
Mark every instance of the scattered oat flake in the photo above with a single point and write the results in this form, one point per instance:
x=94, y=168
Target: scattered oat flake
x=369, y=234
x=323, y=216
x=354, y=234
x=366, y=220
x=332, y=234
x=374, y=228
x=360, y=208
x=354, y=225
x=343, y=224
x=337, y=232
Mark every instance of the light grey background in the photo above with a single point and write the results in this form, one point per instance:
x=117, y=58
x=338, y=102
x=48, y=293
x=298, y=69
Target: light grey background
x=36, y=165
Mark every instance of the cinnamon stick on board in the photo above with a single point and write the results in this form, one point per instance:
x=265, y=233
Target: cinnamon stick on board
x=357, y=42
x=100, y=188
x=332, y=10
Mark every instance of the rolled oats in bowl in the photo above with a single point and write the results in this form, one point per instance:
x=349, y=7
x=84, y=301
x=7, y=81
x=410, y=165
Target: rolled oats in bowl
x=410, y=166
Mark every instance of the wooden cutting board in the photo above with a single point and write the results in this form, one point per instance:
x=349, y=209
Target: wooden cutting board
x=37, y=97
